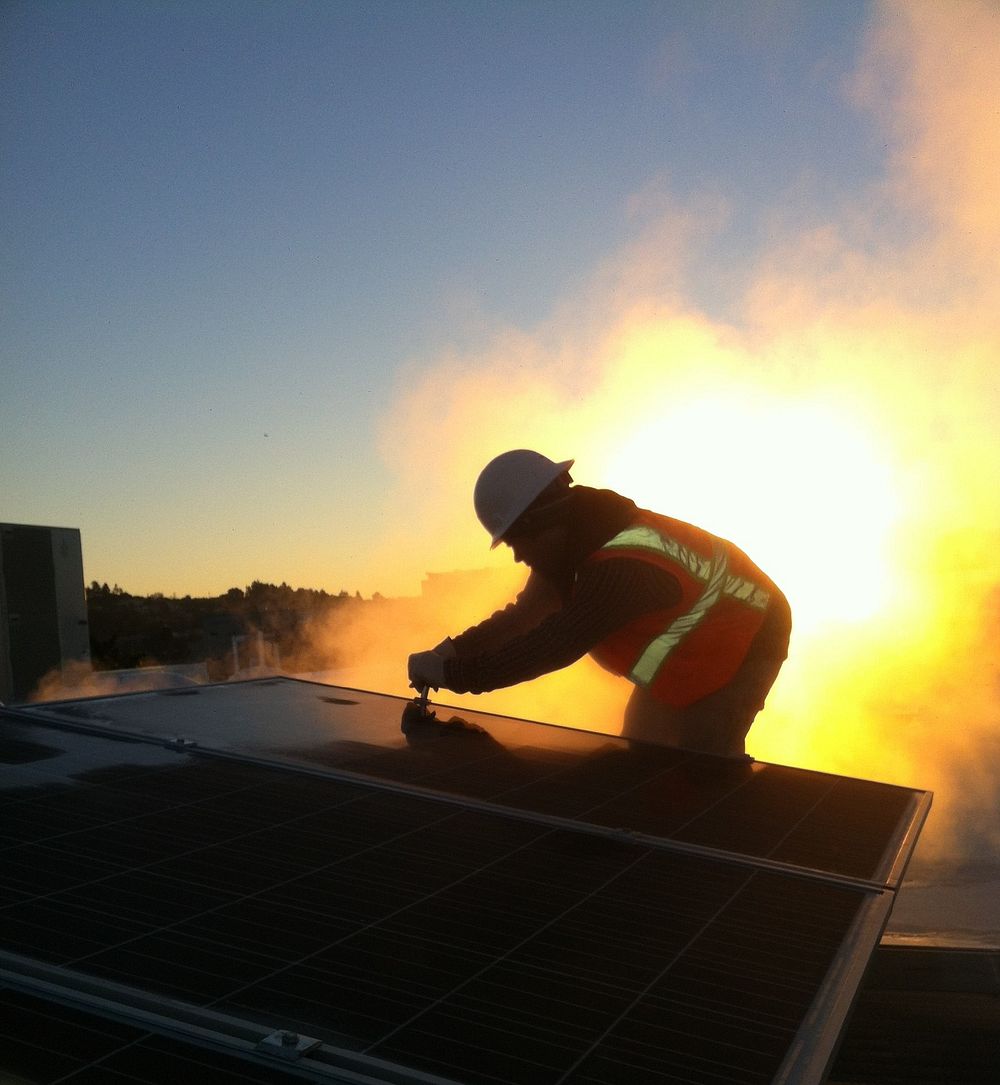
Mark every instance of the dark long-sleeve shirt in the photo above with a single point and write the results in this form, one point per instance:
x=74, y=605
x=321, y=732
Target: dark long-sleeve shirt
x=529, y=639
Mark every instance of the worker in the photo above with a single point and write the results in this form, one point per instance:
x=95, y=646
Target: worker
x=685, y=616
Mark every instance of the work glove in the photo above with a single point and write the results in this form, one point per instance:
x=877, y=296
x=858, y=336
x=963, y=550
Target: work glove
x=426, y=669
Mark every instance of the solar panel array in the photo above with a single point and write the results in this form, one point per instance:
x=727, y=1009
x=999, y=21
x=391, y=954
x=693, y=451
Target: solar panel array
x=414, y=934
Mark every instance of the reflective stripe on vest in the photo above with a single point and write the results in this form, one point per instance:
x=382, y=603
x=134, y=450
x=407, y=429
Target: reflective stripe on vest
x=713, y=571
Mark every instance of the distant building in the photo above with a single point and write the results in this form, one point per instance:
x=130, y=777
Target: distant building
x=43, y=606
x=459, y=586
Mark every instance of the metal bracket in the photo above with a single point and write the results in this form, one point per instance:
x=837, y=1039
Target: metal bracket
x=287, y=1045
x=180, y=743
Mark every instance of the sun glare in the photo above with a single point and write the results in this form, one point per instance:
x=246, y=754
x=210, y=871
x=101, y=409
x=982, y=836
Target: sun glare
x=800, y=486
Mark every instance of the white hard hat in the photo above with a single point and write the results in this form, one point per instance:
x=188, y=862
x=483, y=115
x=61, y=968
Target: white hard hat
x=508, y=484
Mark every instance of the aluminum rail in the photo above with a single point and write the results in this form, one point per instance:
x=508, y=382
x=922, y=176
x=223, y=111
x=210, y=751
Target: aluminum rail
x=312, y=1059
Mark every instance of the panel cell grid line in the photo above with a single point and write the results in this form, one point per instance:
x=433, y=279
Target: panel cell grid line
x=472, y=945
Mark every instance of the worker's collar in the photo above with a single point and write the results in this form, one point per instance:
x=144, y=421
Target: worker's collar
x=590, y=516
x=593, y=517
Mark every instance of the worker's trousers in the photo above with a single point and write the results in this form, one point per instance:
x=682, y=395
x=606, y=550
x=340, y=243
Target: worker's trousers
x=717, y=723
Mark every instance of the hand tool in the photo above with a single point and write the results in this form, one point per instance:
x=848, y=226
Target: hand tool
x=422, y=698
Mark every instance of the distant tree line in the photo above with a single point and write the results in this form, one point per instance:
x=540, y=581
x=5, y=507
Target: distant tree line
x=133, y=630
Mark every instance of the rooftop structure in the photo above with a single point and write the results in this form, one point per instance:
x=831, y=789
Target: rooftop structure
x=43, y=609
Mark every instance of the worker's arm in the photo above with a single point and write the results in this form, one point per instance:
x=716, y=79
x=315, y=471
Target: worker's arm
x=608, y=596
x=535, y=602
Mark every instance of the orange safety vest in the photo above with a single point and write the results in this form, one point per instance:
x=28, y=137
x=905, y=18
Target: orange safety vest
x=695, y=647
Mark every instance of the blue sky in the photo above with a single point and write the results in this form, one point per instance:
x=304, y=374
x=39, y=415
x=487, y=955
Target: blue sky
x=234, y=232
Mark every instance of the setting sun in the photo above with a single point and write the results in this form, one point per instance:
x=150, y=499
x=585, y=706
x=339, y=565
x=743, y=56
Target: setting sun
x=799, y=485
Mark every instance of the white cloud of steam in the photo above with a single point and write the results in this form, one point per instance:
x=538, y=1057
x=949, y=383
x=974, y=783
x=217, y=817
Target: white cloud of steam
x=844, y=433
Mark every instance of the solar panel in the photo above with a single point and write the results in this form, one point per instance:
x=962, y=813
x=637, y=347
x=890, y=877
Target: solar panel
x=808, y=819
x=469, y=932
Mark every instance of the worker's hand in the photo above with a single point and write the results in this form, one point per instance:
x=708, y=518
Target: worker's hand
x=426, y=669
